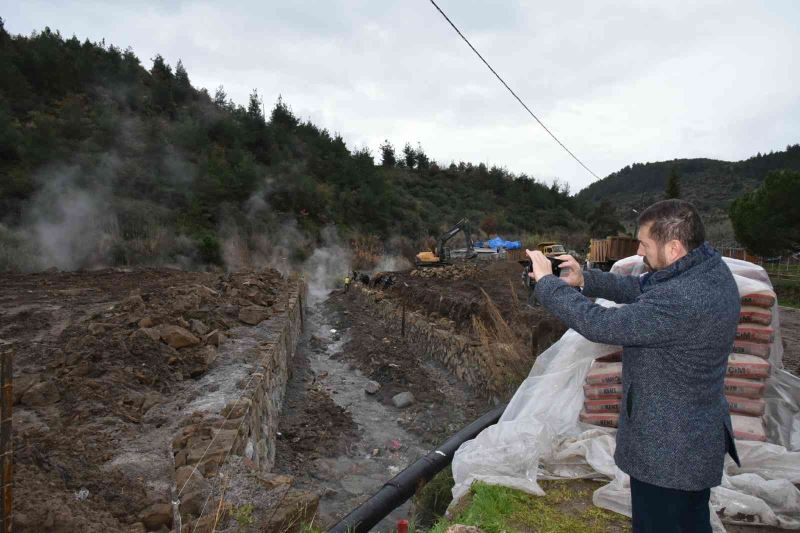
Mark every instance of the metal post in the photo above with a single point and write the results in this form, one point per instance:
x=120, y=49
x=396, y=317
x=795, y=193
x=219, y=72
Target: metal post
x=403, y=322
x=300, y=304
x=6, y=447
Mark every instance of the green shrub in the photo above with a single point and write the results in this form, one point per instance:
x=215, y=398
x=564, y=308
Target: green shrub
x=209, y=249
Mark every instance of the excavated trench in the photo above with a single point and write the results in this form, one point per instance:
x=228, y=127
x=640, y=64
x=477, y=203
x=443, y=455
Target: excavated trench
x=349, y=346
x=382, y=447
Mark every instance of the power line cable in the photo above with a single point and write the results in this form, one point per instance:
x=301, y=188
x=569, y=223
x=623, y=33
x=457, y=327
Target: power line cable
x=512, y=92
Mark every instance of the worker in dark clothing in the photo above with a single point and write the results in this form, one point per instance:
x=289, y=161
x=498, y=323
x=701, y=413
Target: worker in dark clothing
x=677, y=330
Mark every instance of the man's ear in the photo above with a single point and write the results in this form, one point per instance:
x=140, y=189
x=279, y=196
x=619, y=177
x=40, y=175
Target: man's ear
x=675, y=250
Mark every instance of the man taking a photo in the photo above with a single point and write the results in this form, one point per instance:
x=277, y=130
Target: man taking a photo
x=677, y=330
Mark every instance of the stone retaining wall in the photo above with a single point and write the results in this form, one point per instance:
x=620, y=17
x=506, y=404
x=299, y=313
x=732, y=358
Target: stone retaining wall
x=247, y=425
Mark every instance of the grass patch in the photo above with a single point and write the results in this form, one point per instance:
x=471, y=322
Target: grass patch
x=788, y=291
x=566, y=508
x=431, y=501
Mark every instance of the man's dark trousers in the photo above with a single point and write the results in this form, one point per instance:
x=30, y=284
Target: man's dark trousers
x=663, y=510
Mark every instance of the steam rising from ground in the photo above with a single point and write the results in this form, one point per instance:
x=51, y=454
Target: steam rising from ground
x=71, y=229
x=392, y=263
x=327, y=266
x=68, y=224
x=76, y=222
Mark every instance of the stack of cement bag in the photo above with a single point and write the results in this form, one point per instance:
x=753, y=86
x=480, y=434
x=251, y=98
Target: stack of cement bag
x=603, y=391
x=748, y=369
x=749, y=366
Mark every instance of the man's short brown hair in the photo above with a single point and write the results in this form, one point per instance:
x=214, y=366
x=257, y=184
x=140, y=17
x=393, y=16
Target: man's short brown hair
x=674, y=220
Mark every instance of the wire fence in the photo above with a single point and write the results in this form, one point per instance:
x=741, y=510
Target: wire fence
x=785, y=267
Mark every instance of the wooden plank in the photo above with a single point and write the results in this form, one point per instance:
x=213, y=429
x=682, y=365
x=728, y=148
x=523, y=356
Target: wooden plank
x=6, y=447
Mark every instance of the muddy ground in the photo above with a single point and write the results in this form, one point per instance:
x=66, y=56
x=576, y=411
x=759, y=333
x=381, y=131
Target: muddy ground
x=790, y=335
x=91, y=373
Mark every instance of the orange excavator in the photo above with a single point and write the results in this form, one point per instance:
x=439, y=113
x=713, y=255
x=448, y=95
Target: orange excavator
x=444, y=255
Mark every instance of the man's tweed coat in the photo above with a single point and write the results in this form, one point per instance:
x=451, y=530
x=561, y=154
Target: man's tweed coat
x=677, y=331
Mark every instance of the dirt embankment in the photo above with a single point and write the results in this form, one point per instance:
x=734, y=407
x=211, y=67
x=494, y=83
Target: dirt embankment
x=486, y=305
x=95, y=354
x=442, y=405
x=463, y=293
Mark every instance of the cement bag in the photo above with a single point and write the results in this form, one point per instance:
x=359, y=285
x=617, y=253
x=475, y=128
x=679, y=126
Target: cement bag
x=540, y=435
x=751, y=314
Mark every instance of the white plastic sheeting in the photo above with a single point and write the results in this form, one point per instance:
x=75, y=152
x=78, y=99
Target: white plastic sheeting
x=539, y=435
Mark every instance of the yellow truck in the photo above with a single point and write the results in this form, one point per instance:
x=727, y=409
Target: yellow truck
x=551, y=249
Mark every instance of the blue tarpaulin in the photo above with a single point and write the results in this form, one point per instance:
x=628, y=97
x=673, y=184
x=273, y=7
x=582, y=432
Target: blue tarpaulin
x=499, y=242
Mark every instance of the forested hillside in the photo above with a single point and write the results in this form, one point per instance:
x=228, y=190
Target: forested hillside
x=105, y=161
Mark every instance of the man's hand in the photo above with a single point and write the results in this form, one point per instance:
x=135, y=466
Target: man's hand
x=541, y=264
x=575, y=276
x=542, y=267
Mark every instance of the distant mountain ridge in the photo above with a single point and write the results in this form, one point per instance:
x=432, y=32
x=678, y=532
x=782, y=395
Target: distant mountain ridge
x=708, y=183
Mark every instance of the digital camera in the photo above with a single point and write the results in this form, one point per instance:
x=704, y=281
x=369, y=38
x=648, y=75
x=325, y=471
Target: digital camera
x=527, y=265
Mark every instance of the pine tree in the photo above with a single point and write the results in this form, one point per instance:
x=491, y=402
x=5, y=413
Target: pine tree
x=254, y=109
x=603, y=221
x=4, y=36
x=673, y=189
x=423, y=163
x=388, y=158
x=409, y=156
x=220, y=97
x=181, y=76
x=162, y=88
x=766, y=220
x=183, y=87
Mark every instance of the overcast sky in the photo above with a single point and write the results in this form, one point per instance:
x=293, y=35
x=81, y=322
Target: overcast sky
x=617, y=81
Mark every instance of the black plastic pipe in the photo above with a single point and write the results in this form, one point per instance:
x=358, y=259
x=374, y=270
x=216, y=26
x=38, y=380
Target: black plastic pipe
x=401, y=487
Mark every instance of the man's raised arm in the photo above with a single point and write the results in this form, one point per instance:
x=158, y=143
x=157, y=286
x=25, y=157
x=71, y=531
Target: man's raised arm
x=614, y=287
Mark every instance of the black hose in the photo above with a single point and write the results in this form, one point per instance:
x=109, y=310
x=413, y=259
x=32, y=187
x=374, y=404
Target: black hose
x=401, y=487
